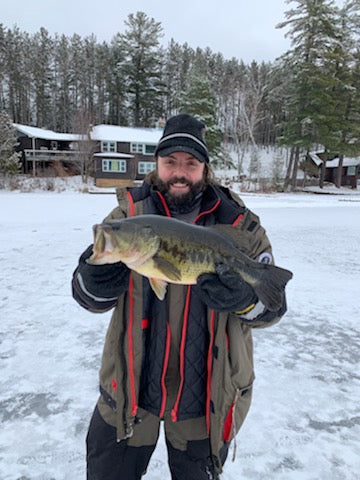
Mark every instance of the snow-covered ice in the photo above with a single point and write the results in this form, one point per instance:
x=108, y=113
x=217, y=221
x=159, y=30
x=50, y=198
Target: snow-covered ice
x=304, y=423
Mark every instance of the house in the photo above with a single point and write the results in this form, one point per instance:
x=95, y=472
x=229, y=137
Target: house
x=119, y=155
x=40, y=147
x=350, y=174
x=123, y=154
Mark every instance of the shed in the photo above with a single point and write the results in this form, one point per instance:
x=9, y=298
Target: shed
x=350, y=170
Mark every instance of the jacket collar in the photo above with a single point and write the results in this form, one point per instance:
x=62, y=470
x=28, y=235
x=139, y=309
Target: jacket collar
x=216, y=203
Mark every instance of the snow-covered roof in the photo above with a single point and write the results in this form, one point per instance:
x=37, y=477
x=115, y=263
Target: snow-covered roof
x=347, y=162
x=125, y=134
x=110, y=133
x=113, y=155
x=35, y=132
x=315, y=158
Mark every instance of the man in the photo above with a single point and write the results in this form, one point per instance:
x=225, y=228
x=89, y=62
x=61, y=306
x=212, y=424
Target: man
x=186, y=360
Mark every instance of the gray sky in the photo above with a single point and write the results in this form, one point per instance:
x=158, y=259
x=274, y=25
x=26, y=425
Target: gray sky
x=244, y=29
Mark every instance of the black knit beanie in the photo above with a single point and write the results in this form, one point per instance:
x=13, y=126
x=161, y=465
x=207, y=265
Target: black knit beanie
x=183, y=133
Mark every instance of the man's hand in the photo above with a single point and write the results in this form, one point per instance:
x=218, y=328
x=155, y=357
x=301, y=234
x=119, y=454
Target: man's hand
x=106, y=281
x=226, y=291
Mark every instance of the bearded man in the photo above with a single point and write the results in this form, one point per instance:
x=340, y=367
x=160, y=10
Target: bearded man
x=185, y=361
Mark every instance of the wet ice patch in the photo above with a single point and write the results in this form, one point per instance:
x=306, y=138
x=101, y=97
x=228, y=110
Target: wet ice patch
x=27, y=404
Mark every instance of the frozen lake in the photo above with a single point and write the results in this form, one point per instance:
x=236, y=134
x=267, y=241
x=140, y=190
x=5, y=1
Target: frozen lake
x=304, y=423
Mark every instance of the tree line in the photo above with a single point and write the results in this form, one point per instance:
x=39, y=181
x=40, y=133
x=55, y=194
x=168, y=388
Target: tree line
x=308, y=98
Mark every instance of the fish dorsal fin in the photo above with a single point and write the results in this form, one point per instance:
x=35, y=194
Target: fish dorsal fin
x=167, y=268
x=159, y=287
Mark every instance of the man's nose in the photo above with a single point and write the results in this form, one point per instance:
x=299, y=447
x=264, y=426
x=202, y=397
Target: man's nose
x=180, y=169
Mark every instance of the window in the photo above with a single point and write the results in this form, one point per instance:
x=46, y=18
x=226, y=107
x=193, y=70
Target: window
x=146, y=167
x=351, y=171
x=108, y=147
x=114, y=166
x=143, y=148
x=136, y=148
x=150, y=149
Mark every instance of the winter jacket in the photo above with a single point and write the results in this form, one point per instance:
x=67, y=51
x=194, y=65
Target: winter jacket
x=216, y=359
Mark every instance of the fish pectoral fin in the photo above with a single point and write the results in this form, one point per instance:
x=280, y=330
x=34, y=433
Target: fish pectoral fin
x=159, y=287
x=167, y=268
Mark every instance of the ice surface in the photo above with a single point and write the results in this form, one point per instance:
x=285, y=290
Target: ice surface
x=304, y=423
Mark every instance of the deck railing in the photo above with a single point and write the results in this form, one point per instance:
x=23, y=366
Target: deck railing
x=51, y=155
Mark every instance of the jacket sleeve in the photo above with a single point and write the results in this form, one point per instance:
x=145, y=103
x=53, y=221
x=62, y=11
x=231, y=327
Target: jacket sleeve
x=97, y=288
x=86, y=299
x=257, y=246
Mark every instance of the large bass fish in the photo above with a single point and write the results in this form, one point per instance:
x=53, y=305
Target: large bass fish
x=167, y=250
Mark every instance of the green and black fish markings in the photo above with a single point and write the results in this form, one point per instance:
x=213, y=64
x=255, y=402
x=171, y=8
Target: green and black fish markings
x=167, y=250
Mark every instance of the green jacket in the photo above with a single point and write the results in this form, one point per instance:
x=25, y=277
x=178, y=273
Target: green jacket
x=228, y=359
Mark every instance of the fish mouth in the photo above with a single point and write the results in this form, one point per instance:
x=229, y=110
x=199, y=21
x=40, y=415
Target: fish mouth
x=104, y=248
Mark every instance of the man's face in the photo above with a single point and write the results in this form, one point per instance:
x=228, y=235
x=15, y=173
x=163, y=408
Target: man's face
x=179, y=172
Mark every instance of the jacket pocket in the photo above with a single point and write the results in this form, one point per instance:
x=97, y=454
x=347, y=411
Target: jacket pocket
x=240, y=353
x=237, y=412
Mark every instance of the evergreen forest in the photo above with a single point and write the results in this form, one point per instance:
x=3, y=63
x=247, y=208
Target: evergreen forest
x=307, y=98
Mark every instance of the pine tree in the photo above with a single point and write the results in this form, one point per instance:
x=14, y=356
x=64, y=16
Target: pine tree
x=63, y=108
x=2, y=63
x=16, y=76
x=76, y=71
x=9, y=159
x=117, y=86
x=311, y=104
x=42, y=75
x=199, y=100
x=143, y=68
x=344, y=64
x=174, y=73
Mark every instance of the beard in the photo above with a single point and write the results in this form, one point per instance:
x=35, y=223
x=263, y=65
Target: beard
x=179, y=201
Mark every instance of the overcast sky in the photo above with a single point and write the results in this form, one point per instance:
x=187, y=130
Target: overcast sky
x=244, y=29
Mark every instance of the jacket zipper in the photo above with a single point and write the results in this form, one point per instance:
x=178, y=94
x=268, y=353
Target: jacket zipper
x=130, y=347
x=163, y=375
x=174, y=412
x=209, y=371
x=129, y=371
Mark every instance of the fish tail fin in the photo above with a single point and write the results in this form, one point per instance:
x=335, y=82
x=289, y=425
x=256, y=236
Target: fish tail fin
x=270, y=288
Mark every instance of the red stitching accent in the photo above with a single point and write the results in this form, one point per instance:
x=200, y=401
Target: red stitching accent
x=237, y=220
x=131, y=351
x=209, y=370
x=228, y=424
x=131, y=204
x=174, y=412
x=163, y=201
x=131, y=322
x=166, y=359
x=207, y=211
x=114, y=384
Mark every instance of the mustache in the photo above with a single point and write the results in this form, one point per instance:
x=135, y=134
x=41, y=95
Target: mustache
x=183, y=180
